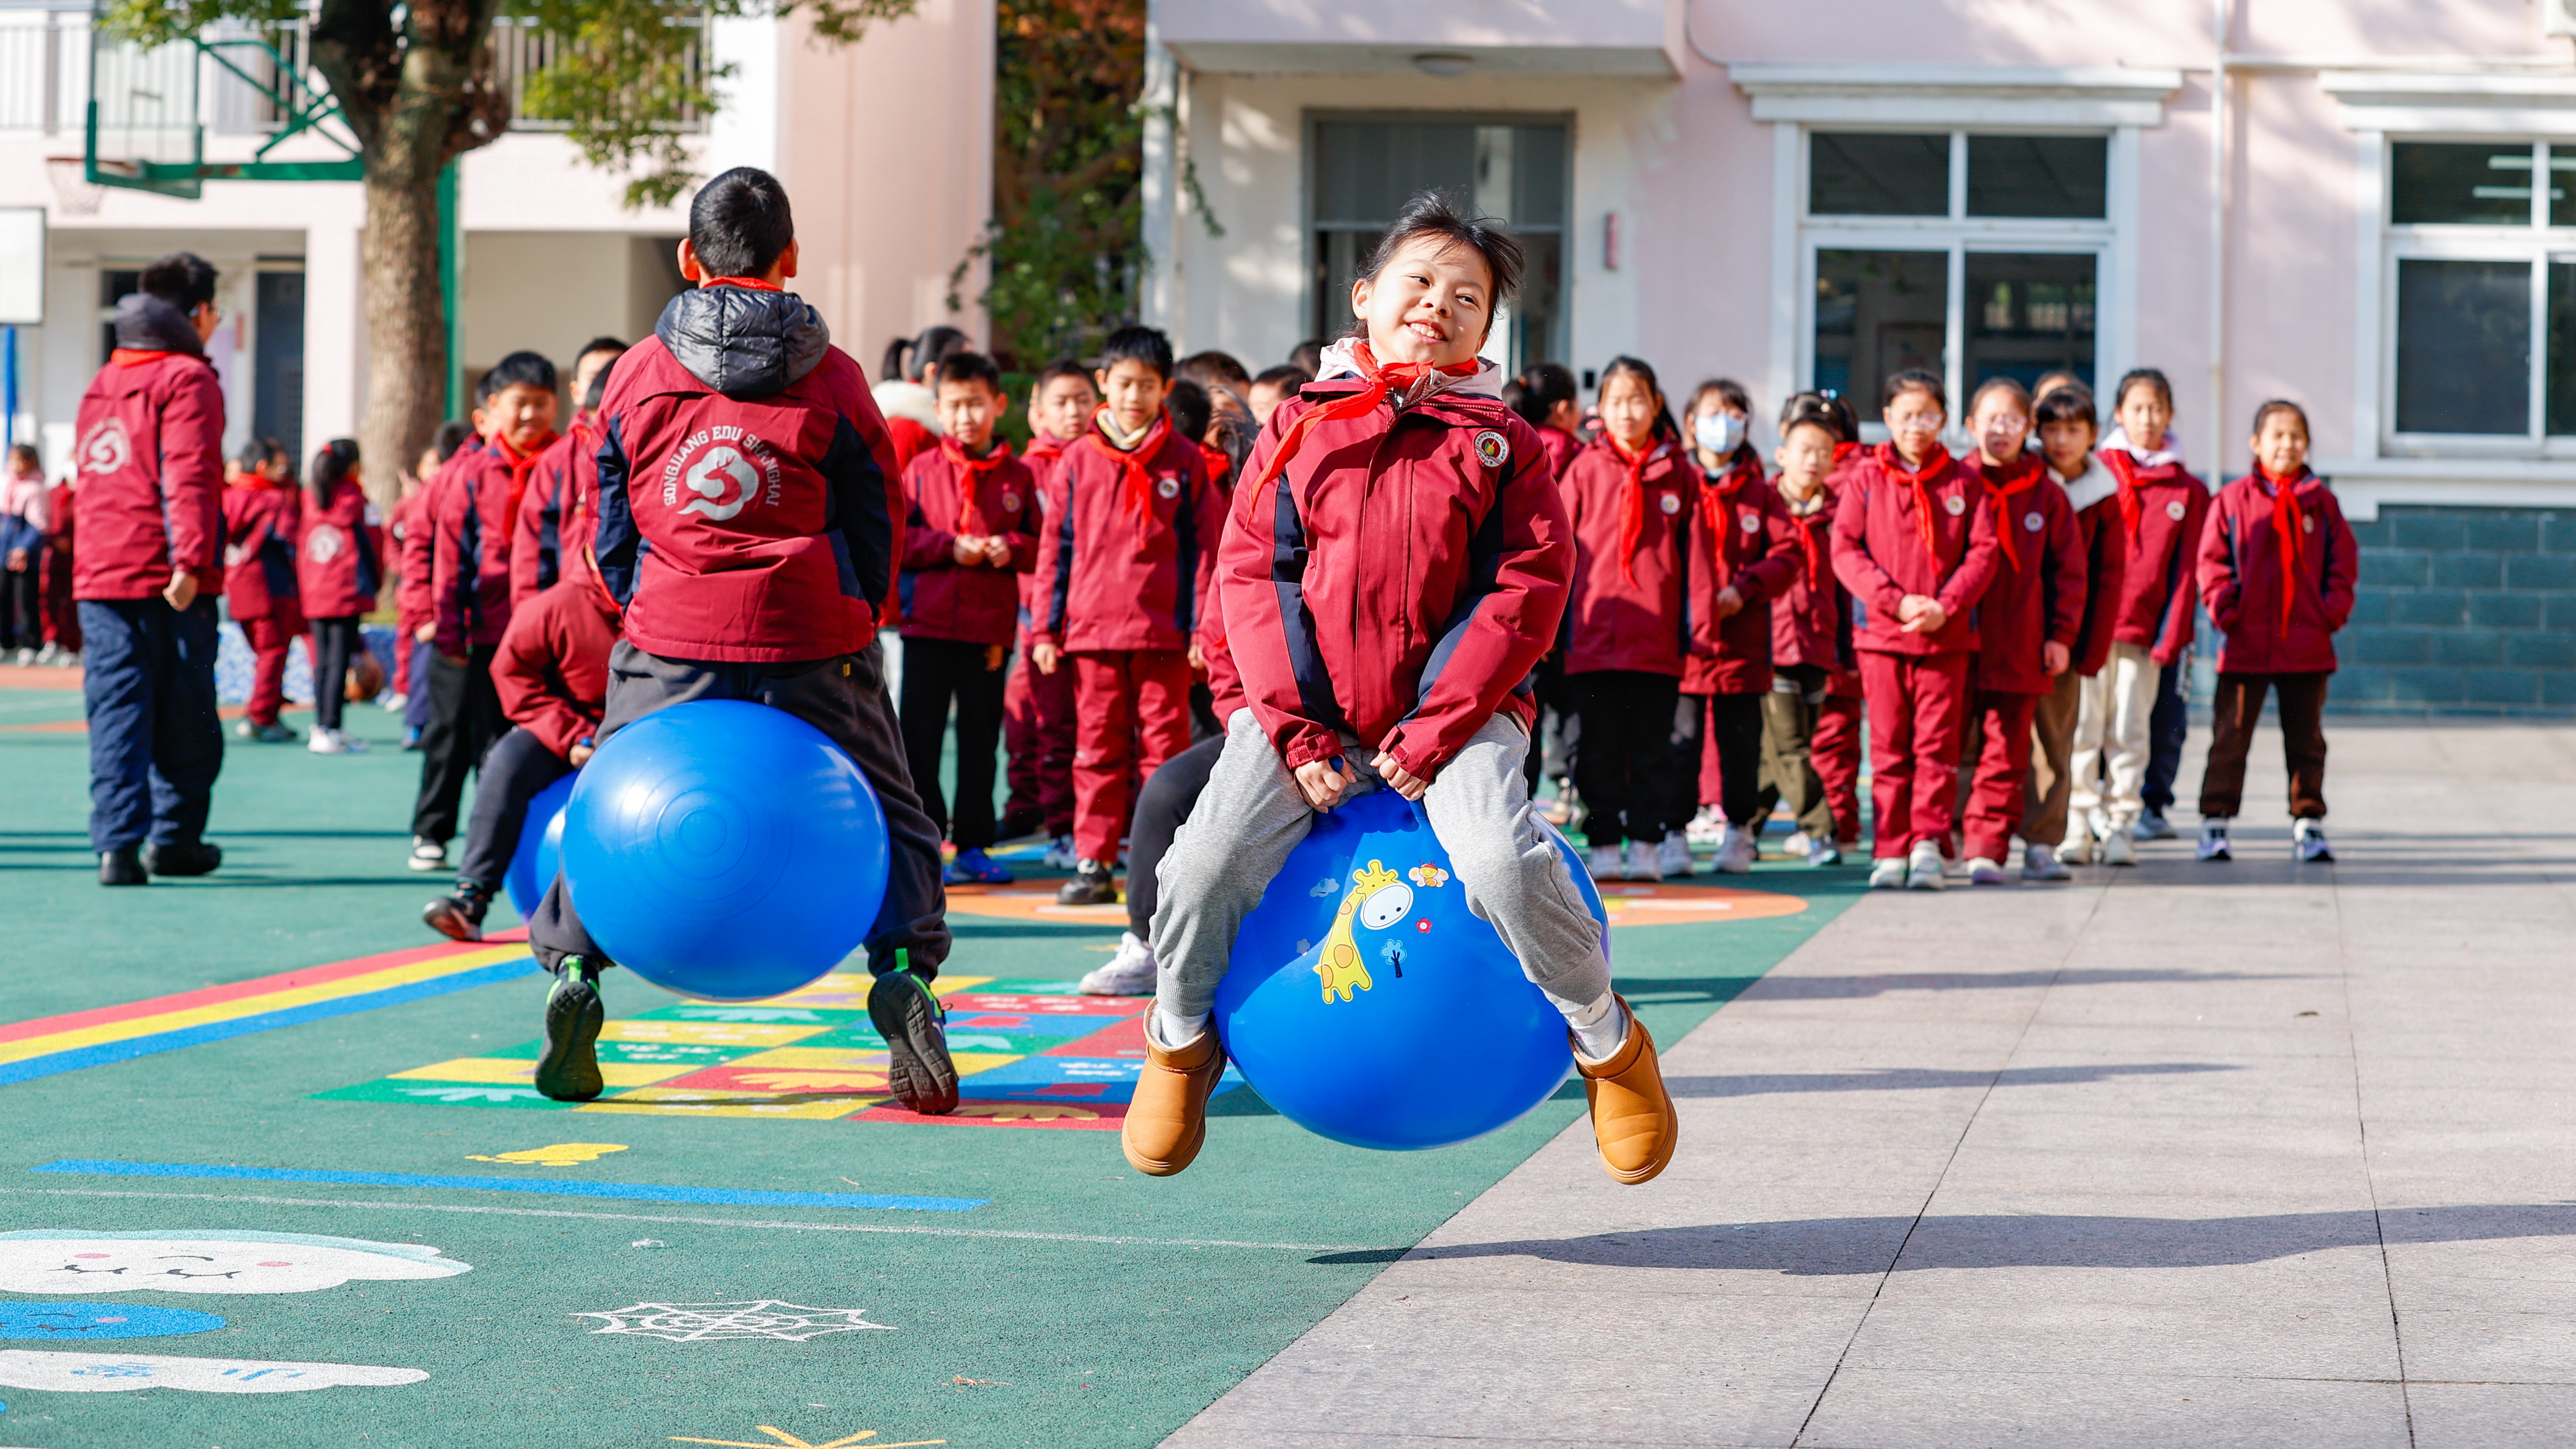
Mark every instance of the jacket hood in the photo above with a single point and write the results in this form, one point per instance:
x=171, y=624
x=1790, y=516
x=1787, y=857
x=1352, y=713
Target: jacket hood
x=147, y=323
x=744, y=342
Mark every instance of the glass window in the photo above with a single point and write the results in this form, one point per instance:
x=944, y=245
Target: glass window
x=2562, y=347
x=1869, y=175
x=2038, y=176
x=2029, y=313
x=2480, y=183
x=2463, y=346
x=1878, y=313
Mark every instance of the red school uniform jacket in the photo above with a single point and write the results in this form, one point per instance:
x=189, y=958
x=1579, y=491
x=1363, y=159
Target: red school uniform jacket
x=551, y=510
x=1044, y=453
x=1128, y=552
x=2159, y=513
x=551, y=671
x=1898, y=532
x=1400, y=577
x=339, y=560
x=2094, y=495
x=1629, y=608
x=473, y=512
x=149, y=448
x=1743, y=537
x=1811, y=620
x=750, y=509
x=2277, y=565
x=1561, y=447
x=261, y=521
x=411, y=540
x=2037, y=597
x=942, y=598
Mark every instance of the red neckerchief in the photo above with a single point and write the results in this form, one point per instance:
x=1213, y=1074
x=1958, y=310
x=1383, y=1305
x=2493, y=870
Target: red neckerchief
x=2124, y=466
x=1137, y=496
x=520, y=468
x=753, y=284
x=971, y=471
x=1844, y=450
x=2285, y=526
x=1934, y=461
x=1632, y=504
x=1381, y=380
x=1817, y=569
x=1218, y=464
x=136, y=356
x=2005, y=482
x=1717, y=496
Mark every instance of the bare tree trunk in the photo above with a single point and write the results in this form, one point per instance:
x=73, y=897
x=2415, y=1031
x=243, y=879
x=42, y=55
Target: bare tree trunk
x=406, y=326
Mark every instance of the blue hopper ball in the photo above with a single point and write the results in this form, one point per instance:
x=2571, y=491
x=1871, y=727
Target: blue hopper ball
x=1368, y=1005
x=724, y=850
x=540, y=848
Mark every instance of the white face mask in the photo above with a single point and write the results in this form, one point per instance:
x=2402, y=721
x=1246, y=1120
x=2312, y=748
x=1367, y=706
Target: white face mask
x=1720, y=433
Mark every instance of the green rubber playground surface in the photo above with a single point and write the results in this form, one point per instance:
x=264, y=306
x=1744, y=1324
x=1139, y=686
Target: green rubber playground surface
x=632, y=1278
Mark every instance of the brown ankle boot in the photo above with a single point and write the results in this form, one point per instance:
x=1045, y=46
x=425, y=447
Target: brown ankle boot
x=1167, y=1118
x=1632, y=1115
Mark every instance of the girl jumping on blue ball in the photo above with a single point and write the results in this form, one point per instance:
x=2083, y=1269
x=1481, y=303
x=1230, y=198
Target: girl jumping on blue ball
x=1389, y=577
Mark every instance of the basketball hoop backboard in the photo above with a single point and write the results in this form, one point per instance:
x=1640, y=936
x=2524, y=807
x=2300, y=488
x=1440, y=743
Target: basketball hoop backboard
x=143, y=131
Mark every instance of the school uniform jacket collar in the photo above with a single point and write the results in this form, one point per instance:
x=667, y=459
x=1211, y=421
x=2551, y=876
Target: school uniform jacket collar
x=1340, y=361
x=2089, y=487
x=145, y=323
x=742, y=341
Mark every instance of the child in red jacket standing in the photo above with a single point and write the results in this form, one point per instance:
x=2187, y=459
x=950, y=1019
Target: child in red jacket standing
x=262, y=516
x=2067, y=428
x=2277, y=566
x=1126, y=558
x=2025, y=623
x=969, y=536
x=339, y=567
x=1396, y=561
x=1811, y=650
x=1037, y=709
x=554, y=507
x=1915, y=544
x=1743, y=556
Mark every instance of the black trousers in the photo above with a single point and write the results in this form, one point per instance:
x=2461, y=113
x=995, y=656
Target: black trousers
x=155, y=747
x=20, y=625
x=1624, y=768
x=515, y=769
x=1556, y=732
x=845, y=698
x=2168, y=730
x=336, y=642
x=2236, y=709
x=936, y=672
x=464, y=719
x=1737, y=722
x=1169, y=795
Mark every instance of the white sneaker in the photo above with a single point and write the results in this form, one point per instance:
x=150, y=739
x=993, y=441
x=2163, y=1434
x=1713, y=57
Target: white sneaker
x=394, y=702
x=26, y=657
x=1604, y=863
x=2118, y=848
x=2077, y=849
x=327, y=742
x=1821, y=853
x=1986, y=872
x=1799, y=843
x=1887, y=873
x=427, y=855
x=1674, y=855
x=50, y=654
x=1735, y=854
x=1707, y=827
x=1923, y=867
x=2153, y=825
x=1060, y=854
x=1645, y=861
x=1129, y=973
x=2038, y=862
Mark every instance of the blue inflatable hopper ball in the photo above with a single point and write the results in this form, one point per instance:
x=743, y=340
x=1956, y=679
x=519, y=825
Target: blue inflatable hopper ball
x=724, y=850
x=1367, y=1004
x=540, y=848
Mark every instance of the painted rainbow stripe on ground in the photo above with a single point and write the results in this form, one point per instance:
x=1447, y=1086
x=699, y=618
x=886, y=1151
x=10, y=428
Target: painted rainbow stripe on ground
x=51, y=1044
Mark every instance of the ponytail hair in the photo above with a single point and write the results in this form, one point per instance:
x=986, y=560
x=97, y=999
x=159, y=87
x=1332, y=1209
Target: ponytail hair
x=330, y=465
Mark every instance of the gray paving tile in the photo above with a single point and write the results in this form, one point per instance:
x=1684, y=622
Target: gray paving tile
x=2493, y=1416
x=1880, y=1409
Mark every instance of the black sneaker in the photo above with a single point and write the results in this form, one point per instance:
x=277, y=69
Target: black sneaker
x=122, y=866
x=569, y=1069
x=460, y=916
x=192, y=857
x=1090, y=886
x=910, y=1018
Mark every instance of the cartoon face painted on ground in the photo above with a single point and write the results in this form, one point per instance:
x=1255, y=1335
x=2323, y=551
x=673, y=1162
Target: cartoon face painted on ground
x=48, y=1260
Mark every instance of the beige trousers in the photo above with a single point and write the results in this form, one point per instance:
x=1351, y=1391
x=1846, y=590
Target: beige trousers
x=2108, y=757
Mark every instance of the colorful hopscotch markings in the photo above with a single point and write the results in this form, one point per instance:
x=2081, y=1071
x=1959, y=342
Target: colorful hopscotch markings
x=1661, y=903
x=99, y=1373
x=1032, y=902
x=781, y=1439
x=199, y=1260
x=560, y=1154
x=550, y=1187
x=1028, y=1054
x=51, y=1044
x=85, y=1321
x=708, y=1322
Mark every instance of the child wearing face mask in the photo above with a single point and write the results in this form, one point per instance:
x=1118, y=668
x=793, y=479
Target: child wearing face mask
x=1743, y=552
x=1915, y=543
x=1804, y=760
x=2277, y=566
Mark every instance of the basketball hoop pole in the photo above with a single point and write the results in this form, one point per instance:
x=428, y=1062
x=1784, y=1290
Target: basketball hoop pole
x=9, y=386
x=451, y=278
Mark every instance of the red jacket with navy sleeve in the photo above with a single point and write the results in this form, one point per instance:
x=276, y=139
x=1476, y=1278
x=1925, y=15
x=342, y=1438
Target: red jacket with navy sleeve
x=261, y=520
x=975, y=603
x=551, y=671
x=410, y=534
x=340, y=558
x=1629, y=608
x=1118, y=575
x=551, y=510
x=149, y=447
x=2158, y=512
x=750, y=509
x=1879, y=553
x=473, y=513
x=1743, y=539
x=2278, y=620
x=1811, y=619
x=2037, y=597
x=1400, y=578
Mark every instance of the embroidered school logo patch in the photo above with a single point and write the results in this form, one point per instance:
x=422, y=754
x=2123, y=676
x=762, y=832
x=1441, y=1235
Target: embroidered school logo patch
x=324, y=544
x=726, y=468
x=105, y=449
x=1956, y=504
x=2175, y=510
x=1169, y=488
x=1493, y=449
x=1010, y=501
x=2307, y=523
x=1671, y=503
x=2033, y=521
x=1749, y=523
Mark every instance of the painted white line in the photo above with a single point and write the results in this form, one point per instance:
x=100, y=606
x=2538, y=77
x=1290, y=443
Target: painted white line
x=515, y=1212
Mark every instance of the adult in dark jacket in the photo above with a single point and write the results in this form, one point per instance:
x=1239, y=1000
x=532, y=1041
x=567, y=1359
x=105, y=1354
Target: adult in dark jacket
x=146, y=568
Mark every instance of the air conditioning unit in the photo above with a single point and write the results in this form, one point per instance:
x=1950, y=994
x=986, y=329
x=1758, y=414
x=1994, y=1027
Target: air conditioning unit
x=2558, y=17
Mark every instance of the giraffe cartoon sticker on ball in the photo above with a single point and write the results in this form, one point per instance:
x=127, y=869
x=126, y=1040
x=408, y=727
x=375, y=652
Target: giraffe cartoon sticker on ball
x=213, y=1260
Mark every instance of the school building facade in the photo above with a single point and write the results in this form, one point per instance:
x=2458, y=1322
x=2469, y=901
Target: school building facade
x=2367, y=208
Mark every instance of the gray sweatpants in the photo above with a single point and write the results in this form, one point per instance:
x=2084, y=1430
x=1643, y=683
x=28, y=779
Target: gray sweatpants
x=1252, y=814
